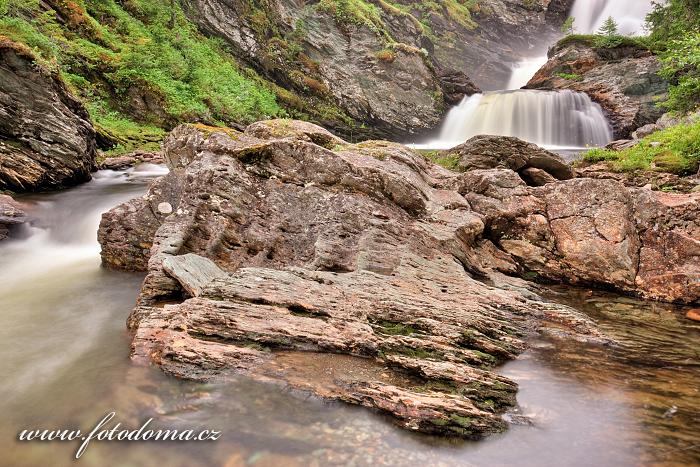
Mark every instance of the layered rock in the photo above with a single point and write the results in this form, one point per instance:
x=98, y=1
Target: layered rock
x=624, y=80
x=594, y=232
x=286, y=244
x=273, y=248
x=11, y=213
x=46, y=138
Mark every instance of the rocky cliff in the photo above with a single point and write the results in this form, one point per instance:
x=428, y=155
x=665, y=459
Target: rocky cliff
x=46, y=138
x=390, y=66
x=269, y=249
x=624, y=80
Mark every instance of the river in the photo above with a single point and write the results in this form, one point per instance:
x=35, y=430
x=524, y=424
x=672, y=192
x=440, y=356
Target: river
x=66, y=364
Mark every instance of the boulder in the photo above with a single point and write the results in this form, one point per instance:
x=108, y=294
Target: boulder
x=281, y=253
x=624, y=80
x=11, y=213
x=456, y=85
x=130, y=160
x=491, y=152
x=46, y=138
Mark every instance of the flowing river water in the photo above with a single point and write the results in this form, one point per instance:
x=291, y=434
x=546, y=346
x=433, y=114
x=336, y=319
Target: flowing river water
x=66, y=364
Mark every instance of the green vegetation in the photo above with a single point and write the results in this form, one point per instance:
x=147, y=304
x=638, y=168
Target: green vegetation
x=140, y=66
x=393, y=328
x=674, y=37
x=449, y=162
x=675, y=149
x=570, y=76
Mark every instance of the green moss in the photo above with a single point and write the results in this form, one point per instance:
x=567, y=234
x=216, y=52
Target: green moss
x=675, y=150
x=393, y=328
x=111, y=53
x=450, y=162
x=570, y=76
x=413, y=352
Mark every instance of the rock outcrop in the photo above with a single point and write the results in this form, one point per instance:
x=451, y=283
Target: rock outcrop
x=389, y=68
x=11, y=213
x=535, y=165
x=287, y=247
x=46, y=138
x=624, y=80
x=284, y=244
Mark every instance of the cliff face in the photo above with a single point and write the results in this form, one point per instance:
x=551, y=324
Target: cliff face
x=46, y=138
x=391, y=67
x=624, y=80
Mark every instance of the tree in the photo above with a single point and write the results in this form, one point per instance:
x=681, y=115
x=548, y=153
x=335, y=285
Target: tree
x=609, y=28
x=568, y=26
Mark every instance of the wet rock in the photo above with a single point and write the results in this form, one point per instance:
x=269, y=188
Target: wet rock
x=456, y=85
x=594, y=231
x=624, y=80
x=130, y=160
x=46, y=138
x=11, y=213
x=491, y=152
x=360, y=251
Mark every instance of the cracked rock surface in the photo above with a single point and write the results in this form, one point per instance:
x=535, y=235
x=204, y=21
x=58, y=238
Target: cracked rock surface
x=358, y=273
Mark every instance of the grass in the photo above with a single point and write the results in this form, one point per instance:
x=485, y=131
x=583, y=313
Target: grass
x=111, y=53
x=675, y=150
x=449, y=162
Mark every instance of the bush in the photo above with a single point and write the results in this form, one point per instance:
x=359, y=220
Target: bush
x=675, y=150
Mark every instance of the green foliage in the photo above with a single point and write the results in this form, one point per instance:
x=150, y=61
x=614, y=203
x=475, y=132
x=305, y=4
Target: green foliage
x=568, y=26
x=570, y=76
x=447, y=161
x=681, y=66
x=111, y=53
x=609, y=27
x=675, y=149
x=673, y=18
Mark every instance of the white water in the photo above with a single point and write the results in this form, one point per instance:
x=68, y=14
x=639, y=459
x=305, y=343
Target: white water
x=630, y=15
x=553, y=119
x=525, y=70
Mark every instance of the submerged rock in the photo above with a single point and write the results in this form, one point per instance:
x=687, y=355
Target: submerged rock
x=11, y=213
x=280, y=251
x=624, y=80
x=46, y=138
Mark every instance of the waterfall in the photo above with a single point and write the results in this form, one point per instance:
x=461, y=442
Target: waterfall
x=630, y=15
x=525, y=70
x=554, y=119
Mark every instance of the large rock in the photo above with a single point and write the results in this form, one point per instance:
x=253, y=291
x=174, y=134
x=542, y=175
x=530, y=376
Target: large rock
x=529, y=160
x=11, y=213
x=46, y=138
x=365, y=274
x=594, y=232
x=281, y=253
x=624, y=80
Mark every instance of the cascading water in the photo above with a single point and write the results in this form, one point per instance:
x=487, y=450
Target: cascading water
x=630, y=16
x=525, y=70
x=551, y=119
x=554, y=119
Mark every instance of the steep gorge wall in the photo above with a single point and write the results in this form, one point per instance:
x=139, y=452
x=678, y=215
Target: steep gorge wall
x=392, y=67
